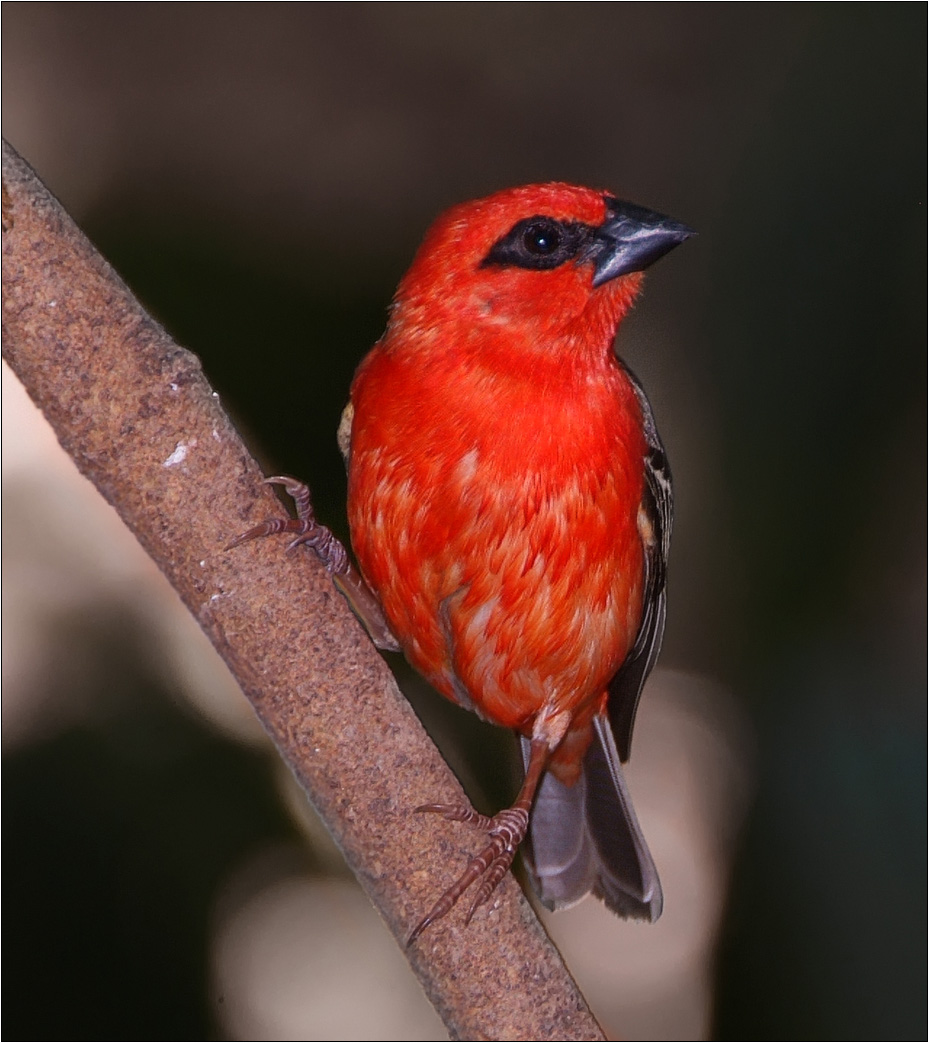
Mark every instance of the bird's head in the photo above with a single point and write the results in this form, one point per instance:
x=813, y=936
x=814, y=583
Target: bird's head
x=552, y=263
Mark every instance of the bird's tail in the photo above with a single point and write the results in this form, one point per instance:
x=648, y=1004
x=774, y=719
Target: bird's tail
x=585, y=838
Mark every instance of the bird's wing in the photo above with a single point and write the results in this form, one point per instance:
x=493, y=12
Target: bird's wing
x=655, y=517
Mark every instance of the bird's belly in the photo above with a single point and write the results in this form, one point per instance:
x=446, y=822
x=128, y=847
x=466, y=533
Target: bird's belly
x=511, y=596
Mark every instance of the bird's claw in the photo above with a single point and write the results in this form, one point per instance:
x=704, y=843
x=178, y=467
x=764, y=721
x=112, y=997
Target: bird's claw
x=507, y=830
x=306, y=528
x=457, y=813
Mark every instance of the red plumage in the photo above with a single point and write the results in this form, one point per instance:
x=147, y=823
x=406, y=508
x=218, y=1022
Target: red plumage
x=496, y=473
x=509, y=506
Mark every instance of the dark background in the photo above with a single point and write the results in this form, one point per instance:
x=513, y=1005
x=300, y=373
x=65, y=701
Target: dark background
x=261, y=174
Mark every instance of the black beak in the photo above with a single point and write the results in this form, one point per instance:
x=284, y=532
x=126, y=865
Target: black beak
x=631, y=238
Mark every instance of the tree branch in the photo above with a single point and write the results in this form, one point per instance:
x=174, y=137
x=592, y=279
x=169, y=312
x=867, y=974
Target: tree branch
x=135, y=412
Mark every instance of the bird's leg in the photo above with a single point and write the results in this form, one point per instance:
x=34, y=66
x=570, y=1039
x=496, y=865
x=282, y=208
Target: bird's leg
x=507, y=830
x=331, y=553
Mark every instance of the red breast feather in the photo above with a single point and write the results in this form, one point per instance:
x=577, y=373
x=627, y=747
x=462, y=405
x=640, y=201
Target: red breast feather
x=496, y=470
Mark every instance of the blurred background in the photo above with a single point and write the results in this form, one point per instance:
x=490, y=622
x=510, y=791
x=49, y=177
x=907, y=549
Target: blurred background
x=261, y=175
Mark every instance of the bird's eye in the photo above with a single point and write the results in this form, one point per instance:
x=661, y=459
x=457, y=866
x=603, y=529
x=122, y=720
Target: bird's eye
x=538, y=243
x=542, y=238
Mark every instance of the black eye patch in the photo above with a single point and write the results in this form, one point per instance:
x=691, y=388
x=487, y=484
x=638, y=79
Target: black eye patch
x=539, y=243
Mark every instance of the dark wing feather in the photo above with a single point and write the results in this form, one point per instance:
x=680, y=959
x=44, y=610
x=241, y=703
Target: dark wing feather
x=655, y=518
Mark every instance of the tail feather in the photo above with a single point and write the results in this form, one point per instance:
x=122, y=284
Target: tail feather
x=585, y=838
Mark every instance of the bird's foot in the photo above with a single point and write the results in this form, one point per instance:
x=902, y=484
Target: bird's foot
x=306, y=528
x=333, y=555
x=507, y=830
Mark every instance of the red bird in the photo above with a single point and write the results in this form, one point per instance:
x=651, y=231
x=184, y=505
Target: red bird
x=510, y=511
